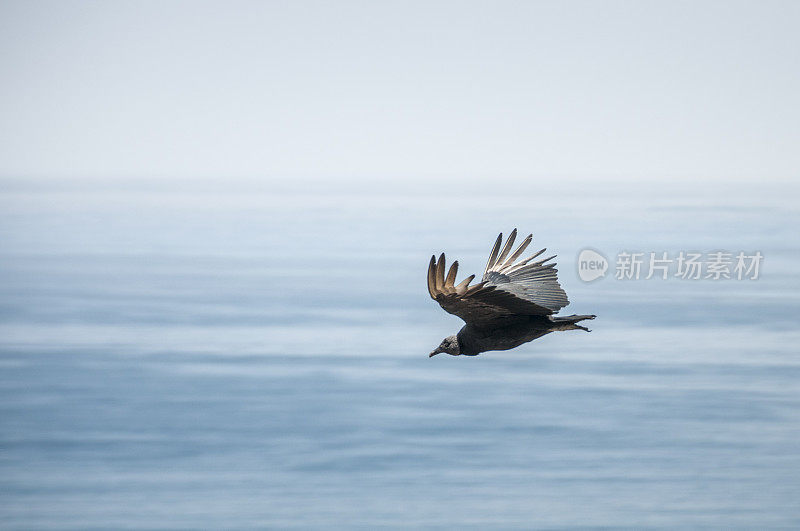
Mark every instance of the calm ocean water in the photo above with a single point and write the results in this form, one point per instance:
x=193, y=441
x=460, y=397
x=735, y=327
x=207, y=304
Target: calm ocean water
x=251, y=358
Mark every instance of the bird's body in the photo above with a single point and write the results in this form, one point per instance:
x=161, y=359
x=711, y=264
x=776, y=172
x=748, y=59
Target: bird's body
x=474, y=340
x=513, y=304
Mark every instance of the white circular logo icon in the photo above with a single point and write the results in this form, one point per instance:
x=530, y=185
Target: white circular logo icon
x=591, y=265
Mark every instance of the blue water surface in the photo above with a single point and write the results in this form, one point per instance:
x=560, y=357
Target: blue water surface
x=236, y=358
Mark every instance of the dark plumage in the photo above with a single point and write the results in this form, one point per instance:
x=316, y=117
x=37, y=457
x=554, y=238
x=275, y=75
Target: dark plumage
x=511, y=305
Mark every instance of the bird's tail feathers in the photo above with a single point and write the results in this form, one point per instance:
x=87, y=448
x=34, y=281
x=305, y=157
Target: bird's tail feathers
x=570, y=321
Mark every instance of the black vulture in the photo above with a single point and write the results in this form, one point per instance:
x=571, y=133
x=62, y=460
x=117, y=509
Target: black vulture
x=512, y=304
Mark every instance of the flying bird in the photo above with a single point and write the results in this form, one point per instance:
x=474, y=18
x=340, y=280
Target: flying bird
x=512, y=304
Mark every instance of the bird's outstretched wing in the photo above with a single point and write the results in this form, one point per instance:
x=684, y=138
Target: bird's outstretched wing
x=507, y=289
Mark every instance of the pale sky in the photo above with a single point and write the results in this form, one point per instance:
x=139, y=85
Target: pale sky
x=400, y=90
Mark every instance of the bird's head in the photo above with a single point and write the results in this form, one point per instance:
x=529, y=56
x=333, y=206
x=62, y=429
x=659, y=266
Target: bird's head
x=448, y=345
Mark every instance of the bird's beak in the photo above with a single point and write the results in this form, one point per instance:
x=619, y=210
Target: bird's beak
x=435, y=352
